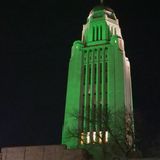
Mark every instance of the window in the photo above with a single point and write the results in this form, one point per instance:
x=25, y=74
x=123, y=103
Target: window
x=93, y=35
x=88, y=138
x=100, y=137
x=115, y=32
x=97, y=33
x=89, y=74
x=101, y=33
x=94, y=137
x=100, y=73
x=84, y=74
x=82, y=137
x=106, y=136
x=95, y=70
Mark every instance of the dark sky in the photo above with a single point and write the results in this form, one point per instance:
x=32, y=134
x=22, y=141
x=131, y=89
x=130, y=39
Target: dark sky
x=35, y=43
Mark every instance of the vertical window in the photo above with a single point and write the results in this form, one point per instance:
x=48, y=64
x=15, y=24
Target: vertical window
x=100, y=73
x=97, y=33
x=112, y=30
x=95, y=68
x=100, y=32
x=106, y=72
x=94, y=116
x=115, y=31
x=84, y=74
x=94, y=137
x=82, y=138
x=87, y=116
x=93, y=36
x=88, y=138
x=106, y=136
x=100, y=137
x=100, y=115
x=89, y=75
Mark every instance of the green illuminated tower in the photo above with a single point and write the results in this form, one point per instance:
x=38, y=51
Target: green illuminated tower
x=99, y=94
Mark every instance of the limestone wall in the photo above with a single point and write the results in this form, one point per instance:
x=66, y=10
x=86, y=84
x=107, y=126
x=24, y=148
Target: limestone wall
x=47, y=152
x=51, y=152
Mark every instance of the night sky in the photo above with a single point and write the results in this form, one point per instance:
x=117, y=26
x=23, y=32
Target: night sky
x=35, y=43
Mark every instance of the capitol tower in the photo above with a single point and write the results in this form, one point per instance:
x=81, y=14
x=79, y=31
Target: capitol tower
x=99, y=107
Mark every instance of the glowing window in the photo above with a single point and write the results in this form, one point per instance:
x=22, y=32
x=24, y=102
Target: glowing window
x=94, y=136
x=88, y=137
x=106, y=136
x=82, y=138
x=100, y=136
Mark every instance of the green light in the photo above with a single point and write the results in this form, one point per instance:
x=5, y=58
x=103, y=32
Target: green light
x=99, y=88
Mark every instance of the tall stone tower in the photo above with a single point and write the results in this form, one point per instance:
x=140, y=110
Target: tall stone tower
x=99, y=94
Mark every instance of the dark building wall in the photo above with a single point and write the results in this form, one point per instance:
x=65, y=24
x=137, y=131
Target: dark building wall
x=51, y=152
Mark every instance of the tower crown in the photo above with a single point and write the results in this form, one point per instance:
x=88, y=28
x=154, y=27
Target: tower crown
x=101, y=11
x=97, y=12
x=101, y=24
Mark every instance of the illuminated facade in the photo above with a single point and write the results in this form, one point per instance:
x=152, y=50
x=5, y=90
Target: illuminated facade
x=99, y=94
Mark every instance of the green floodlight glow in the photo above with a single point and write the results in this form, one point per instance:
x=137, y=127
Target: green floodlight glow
x=99, y=93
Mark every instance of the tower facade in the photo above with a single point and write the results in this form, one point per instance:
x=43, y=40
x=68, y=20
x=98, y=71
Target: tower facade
x=99, y=106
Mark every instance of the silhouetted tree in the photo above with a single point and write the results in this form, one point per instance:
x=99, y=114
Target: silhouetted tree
x=106, y=148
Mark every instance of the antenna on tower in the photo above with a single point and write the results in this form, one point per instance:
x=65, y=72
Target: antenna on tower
x=101, y=1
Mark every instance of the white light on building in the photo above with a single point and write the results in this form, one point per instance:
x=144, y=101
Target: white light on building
x=100, y=136
x=94, y=137
x=88, y=138
x=106, y=136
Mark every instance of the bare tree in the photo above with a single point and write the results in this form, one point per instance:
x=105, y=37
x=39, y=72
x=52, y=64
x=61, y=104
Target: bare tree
x=119, y=144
